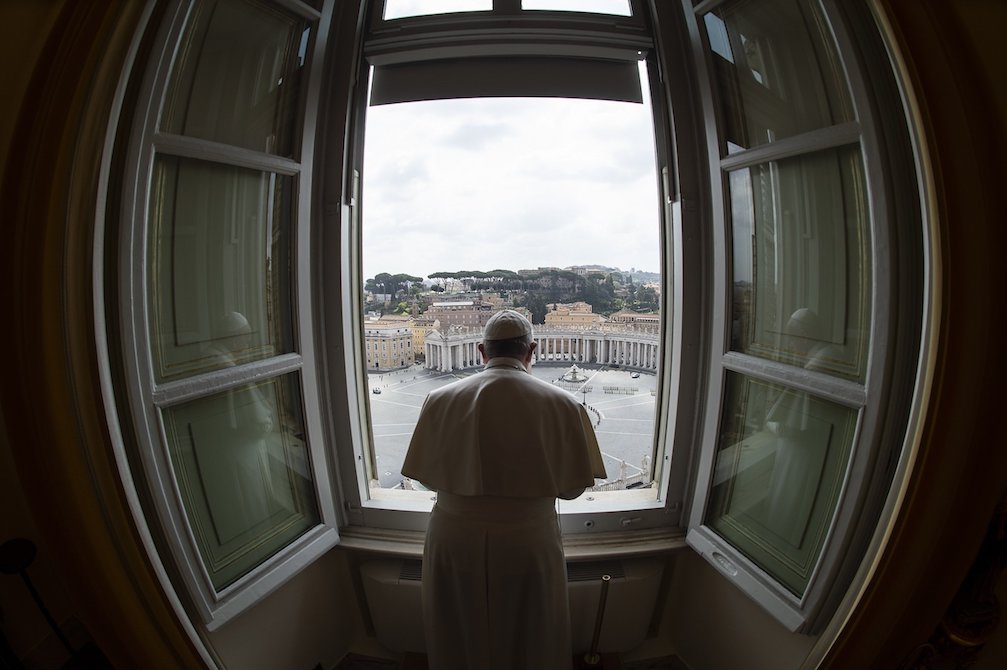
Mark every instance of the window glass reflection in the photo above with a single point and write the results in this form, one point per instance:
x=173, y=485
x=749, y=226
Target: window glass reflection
x=219, y=266
x=237, y=76
x=242, y=470
x=801, y=262
x=776, y=70
x=779, y=470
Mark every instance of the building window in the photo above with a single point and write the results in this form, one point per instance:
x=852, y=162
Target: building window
x=802, y=377
x=222, y=399
x=614, y=73
x=790, y=246
x=544, y=182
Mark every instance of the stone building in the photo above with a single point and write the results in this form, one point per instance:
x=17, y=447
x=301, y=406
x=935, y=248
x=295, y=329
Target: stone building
x=388, y=344
x=573, y=315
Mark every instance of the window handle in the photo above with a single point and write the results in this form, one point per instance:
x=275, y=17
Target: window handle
x=627, y=521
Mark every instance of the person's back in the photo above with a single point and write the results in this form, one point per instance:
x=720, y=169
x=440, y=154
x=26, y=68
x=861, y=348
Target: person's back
x=503, y=432
x=499, y=447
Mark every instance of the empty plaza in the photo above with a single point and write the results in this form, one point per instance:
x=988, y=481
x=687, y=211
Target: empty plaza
x=620, y=403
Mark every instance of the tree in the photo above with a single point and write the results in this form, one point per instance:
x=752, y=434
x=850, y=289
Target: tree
x=536, y=305
x=646, y=300
x=391, y=284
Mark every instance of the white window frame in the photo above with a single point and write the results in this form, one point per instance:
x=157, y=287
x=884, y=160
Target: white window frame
x=536, y=33
x=147, y=396
x=876, y=447
x=330, y=353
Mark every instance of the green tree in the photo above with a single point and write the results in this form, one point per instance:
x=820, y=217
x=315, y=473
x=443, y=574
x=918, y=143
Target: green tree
x=536, y=305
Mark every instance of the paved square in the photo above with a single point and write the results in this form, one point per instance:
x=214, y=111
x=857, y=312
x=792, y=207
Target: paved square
x=621, y=406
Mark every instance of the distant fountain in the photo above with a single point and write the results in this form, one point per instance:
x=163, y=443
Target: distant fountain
x=574, y=374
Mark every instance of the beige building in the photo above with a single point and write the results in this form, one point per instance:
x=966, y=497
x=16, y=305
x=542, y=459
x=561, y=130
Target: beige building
x=573, y=315
x=421, y=327
x=494, y=300
x=640, y=318
x=471, y=313
x=388, y=344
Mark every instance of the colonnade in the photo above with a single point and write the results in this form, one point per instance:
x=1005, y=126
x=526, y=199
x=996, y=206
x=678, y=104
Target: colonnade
x=629, y=348
x=454, y=352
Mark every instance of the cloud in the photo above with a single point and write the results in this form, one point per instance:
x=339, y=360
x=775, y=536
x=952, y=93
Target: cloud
x=474, y=136
x=509, y=183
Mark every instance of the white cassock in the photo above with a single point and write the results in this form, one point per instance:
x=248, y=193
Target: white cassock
x=499, y=447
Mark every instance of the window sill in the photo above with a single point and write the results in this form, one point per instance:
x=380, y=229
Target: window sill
x=577, y=546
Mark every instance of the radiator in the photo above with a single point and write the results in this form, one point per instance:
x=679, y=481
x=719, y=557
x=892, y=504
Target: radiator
x=392, y=590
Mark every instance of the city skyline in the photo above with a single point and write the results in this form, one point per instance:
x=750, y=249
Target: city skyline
x=595, y=267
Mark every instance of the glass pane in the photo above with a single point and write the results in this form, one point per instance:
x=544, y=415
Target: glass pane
x=776, y=70
x=616, y=7
x=574, y=185
x=400, y=9
x=237, y=76
x=801, y=255
x=219, y=266
x=781, y=459
x=242, y=470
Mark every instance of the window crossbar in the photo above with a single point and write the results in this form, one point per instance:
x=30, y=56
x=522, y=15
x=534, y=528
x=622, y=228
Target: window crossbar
x=796, y=145
x=216, y=152
x=182, y=390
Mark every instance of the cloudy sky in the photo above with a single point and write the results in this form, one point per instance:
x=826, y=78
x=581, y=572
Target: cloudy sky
x=399, y=8
x=480, y=184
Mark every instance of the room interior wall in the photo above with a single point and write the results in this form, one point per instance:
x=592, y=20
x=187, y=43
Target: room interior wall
x=24, y=27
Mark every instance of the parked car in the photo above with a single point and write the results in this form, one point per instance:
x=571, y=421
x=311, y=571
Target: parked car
x=375, y=390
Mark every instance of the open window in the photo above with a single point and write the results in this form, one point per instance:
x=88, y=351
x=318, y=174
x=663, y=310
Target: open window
x=786, y=233
x=519, y=168
x=219, y=368
x=798, y=446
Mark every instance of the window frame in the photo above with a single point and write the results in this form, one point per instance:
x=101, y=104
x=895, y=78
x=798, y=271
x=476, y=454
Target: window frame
x=478, y=34
x=146, y=396
x=871, y=464
x=695, y=303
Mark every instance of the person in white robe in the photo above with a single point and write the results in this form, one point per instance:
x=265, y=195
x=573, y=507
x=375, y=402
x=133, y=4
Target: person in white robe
x=499, y=447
